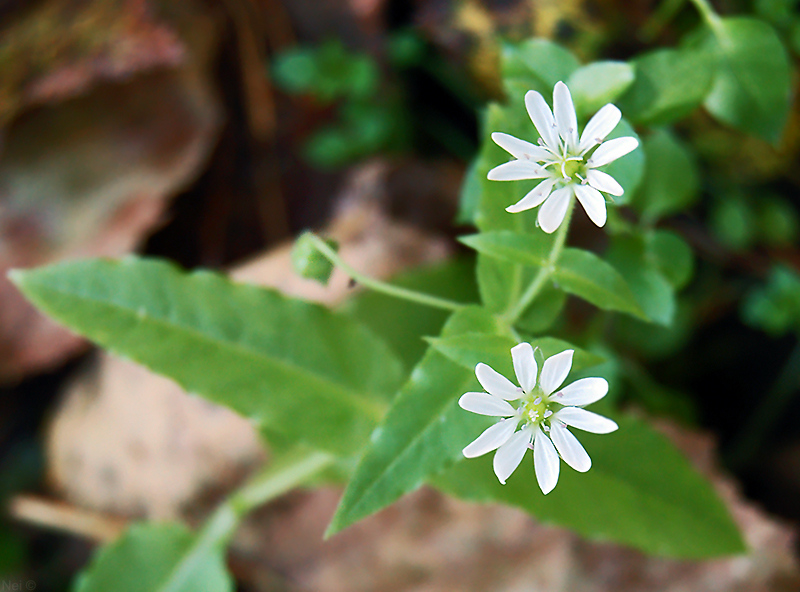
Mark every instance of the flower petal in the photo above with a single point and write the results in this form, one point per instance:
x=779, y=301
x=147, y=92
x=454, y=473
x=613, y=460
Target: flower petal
x=520, y=148
x=564, y=111
x=491, y=438
x=542, y=118
x=612, y=150
x=552, y=212
x=599, y=126
x=495, y=383
x=582, y=392
x=555, y=370
x=510, y=454
x=517, y=170
x=593, y=203
x=484, y=404
x=524, y=366
x=545, y=462
x=534, y=197
x=604, y=182
x=585, y=420
x=569, y=448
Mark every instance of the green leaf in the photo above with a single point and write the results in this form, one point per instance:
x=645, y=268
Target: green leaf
x=423, y=432
x=672, y=256
x=284, y=363
x=628, y=170
x=149, y=557
x=596, y=84
x=639, y=492
x=752, y=86
x=653, y=292
x=470, y=195
x=672, y=181
x=525, y=249
x=669, y=84
x=469, y=349
x=584, y=274
x=403, y=324
x=539, y=62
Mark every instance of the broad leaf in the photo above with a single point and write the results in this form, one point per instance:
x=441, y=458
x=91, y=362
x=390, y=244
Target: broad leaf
x=153, y=557
x=423, y=432
x=639, y=492
x=752, y=86
x=596, y=84
x=669, y=84
x=584, y=274
x=469, y=349
x=671, y=182
x=273, y=359
x=672, y=256
x=544, y=311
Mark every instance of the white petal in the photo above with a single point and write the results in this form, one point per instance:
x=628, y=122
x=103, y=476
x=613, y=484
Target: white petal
x=599, y=126
x=517, y=170
x=564, y=111
x=552, y=212
x=555, y=370
x=484, y=404
x=491, y=438
x=612, y=150
x=585, y=420
x=534, y=197
x=604, y=182
x=569, y=448
x=593, y=203
x=545, y=462
x=520, y=148
x=510, y=454
x=542, y=118
x=495, y=383
x=582, y=392
x=524, y=366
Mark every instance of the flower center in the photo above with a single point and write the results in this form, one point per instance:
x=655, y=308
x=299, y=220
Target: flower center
x=573, y=168
x=534, y=407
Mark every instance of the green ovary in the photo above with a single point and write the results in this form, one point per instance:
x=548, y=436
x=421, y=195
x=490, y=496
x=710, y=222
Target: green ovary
x=532, y=411
x=574, y=167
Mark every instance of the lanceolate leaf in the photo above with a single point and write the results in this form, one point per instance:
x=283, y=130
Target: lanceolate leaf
x=640, y=492
x=423, y=432
x=148, y=557
x=296, y=368
x=584, y=274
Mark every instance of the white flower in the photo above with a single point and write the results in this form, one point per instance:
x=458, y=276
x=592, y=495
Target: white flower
x=567, y=165
x=541, y=413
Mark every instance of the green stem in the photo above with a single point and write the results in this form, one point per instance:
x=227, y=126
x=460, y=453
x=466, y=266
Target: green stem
x=547, y=270
x=383, y=287
x=712, y=19
x=276, y=480
x=665, y=12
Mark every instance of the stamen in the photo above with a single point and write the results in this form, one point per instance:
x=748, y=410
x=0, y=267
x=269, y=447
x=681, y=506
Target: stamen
x=547, y=414
x=537, y=400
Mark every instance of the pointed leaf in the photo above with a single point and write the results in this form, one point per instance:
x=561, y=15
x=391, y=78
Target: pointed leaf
x=268, y=357
x=598, y=83
x=639, y=492
x=525, y=249
x=423, y=432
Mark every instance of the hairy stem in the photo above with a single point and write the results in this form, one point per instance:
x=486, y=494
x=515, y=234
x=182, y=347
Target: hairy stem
x=383, y=287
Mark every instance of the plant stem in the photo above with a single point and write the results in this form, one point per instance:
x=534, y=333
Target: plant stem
x=383, y=287
x=665, y=12
x=538, y=282
x=219, y=528
x=712, y=19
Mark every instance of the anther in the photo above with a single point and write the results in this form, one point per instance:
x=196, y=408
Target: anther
x=537, y=400
x=547, y=414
